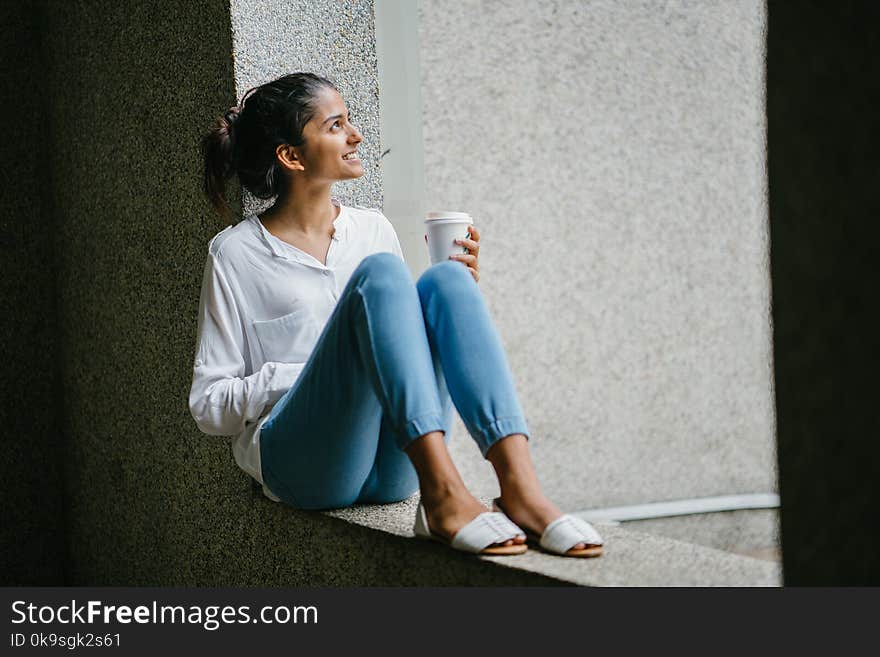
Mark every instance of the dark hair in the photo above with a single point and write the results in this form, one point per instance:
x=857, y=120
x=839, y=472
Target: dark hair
x=242, y=142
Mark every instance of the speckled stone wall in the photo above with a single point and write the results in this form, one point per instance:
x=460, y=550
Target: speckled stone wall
x=32, y=531
x=613, y=155
x=133, y=86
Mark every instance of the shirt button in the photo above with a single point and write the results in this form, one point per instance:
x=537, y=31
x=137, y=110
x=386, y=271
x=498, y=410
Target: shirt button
x=326, y=272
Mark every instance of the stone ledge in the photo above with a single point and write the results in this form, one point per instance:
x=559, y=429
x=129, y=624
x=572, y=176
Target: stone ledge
x=631, y=558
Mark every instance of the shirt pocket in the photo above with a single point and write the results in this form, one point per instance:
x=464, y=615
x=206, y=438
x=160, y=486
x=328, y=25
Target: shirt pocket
x=288, y=339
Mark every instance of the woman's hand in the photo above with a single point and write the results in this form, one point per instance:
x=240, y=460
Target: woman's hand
x=470, y=258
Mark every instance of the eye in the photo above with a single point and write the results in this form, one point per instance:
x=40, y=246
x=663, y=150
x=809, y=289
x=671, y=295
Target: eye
x=336, y=123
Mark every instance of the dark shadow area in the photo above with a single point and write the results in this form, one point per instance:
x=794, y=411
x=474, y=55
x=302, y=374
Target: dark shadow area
x=32, y=534
x=824, y=176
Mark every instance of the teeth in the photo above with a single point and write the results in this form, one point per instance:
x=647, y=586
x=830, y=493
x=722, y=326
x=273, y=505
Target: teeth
x=350, y=156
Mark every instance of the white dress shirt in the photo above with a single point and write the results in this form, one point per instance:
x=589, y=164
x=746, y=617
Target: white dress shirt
x=263, y=305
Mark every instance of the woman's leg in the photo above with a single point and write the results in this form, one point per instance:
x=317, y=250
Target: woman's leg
x=368, y=391
x=463, y=337
x=393, y=477
x=461, y=333
x=447, y=501
x=370, y=374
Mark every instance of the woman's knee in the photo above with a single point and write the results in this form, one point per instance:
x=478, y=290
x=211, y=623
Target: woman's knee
x=449, y=278
x=383, y=270
x=383, y=264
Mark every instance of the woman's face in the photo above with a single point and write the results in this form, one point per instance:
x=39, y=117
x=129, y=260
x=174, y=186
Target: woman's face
x=329, y=136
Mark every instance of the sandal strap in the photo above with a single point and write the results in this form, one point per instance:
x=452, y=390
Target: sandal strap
x=484, y=530
x=567, y=531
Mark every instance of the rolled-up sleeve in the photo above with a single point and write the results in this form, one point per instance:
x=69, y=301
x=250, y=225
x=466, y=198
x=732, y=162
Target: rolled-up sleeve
x=222, y=399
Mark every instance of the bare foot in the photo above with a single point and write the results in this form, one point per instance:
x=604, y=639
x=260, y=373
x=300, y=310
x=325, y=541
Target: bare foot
x=533, y=511
x=449, y=511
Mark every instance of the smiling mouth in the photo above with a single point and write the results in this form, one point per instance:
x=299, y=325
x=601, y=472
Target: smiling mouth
x=351, y=157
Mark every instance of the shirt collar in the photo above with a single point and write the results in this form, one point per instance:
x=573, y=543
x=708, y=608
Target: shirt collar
x=279, y=247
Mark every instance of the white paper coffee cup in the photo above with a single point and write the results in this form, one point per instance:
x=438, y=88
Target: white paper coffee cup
x=442, y=229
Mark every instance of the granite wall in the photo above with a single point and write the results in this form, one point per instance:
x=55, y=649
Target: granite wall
x=133, y=85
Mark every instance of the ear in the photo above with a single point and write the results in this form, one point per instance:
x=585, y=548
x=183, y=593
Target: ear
x=289, y=157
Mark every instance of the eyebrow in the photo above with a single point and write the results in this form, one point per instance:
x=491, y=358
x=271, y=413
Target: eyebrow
x=335, y=116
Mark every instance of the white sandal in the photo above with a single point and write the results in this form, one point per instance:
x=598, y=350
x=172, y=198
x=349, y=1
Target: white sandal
x=483, y=531
x=561, y=535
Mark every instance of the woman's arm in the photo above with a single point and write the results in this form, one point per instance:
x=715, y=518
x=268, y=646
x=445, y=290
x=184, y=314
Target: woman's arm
x=222, y=400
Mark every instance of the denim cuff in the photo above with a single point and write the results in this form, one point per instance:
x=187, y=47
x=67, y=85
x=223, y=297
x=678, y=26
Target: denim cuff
x=419, y=426
x=487, y=436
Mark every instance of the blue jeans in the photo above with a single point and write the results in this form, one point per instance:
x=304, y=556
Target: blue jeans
x=390, y=362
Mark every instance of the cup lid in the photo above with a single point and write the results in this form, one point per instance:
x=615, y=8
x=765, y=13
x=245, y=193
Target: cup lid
x=440, y=222
x=447, y=214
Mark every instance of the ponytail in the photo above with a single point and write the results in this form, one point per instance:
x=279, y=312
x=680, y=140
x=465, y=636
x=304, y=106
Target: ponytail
x=218, y=148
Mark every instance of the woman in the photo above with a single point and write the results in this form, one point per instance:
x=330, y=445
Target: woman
x=334, y=371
